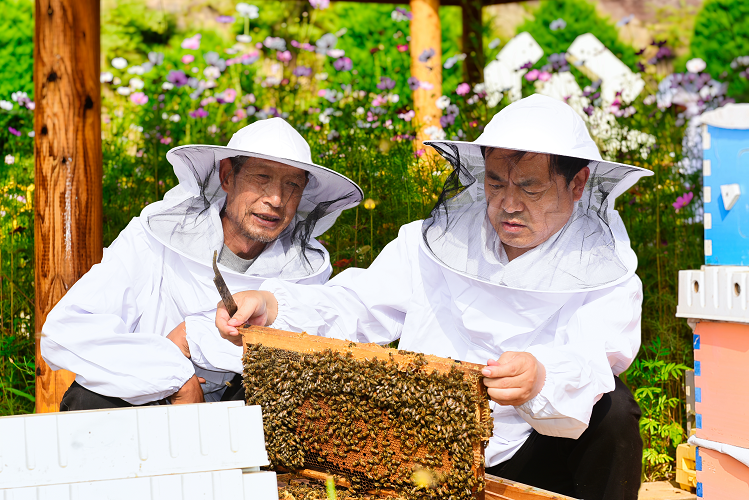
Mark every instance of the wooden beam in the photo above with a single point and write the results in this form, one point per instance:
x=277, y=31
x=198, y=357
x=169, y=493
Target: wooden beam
x=473, y=45
x=67, y=168
x=426, y=36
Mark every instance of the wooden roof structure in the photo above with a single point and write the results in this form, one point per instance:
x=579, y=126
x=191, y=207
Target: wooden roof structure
x=68, y=156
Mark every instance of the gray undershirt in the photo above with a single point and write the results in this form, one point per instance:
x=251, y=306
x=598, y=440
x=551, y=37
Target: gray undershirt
x=233, y=262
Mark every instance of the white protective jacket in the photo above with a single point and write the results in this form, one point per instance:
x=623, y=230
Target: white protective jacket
x=582, y=338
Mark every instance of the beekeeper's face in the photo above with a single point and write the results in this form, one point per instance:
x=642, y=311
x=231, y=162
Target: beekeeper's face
x=262, y=197
x=526, y=202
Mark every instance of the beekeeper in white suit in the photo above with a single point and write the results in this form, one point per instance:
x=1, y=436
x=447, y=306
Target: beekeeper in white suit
x=259, y=202
x=525, y=263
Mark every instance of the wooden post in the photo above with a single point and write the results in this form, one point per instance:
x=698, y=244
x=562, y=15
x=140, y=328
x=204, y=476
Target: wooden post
x=68, y=193
x=473, y=45
x=426, y=35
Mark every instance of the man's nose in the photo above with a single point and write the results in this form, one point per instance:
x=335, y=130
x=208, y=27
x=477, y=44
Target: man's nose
x=511, y=202
x=274, y=196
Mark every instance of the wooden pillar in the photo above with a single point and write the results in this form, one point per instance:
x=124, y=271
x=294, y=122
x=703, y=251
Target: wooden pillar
x=473, y=46
x=426, y=35
x=67, y=197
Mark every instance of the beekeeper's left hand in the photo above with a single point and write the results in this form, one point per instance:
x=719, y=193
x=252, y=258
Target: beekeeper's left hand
x=514, y=379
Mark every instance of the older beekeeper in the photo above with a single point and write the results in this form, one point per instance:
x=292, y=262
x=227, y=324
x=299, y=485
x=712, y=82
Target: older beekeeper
x=259, y=202
x=524, y=262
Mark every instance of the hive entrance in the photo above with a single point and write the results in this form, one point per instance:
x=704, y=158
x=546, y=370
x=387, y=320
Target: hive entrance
x=371, y=414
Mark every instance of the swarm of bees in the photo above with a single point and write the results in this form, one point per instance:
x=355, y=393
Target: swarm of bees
x=374, y=421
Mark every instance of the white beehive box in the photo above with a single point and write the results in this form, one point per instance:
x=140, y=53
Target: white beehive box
x=219, y=485
x=719, y=293
x=98, y=445
x=504, y=74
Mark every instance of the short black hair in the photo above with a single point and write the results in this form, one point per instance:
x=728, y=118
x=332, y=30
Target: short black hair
x=566, y=166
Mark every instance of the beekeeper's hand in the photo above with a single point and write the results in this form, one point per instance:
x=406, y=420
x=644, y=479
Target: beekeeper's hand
x=191, y=392
x=514, y=379
x=253, y=307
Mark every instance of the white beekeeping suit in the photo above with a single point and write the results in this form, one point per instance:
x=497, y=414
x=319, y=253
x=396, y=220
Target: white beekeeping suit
x=445, y=286
x=110, y=328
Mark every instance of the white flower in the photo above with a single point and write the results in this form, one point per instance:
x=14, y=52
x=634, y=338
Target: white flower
x=136, y=83
x=167, y=85
x=119, y=63
x=244, y=38
x=394, y=98
x=434, y=133
x=106, y=77
x=116, y=80
x=19, y=96
x=175, y=118
x=136, y=70
x=124, y=90
x=164, y=116
x=321, y=76
x=9, y=160
x=212, y=72
x=359, y=111
x=31, y=134
x=479, y=88
x=649, y=100
x=443, y=102
x=696, y=65
x=247, y=10
x=324, y=118
x=6, y=105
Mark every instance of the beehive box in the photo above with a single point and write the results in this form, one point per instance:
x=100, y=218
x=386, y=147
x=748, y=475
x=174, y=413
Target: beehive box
x=373, y=415
x=720, y=476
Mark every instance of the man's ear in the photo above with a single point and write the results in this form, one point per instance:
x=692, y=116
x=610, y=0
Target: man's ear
x=578, y=183
x=224, y=173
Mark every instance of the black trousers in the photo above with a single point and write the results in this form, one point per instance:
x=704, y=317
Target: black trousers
x=78, y=397
x=605, y=462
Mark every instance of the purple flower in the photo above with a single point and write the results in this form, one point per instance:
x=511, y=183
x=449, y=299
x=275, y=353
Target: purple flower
x=14, y=131
x=463, y=89
x=386, y=83
x=405, y=13
x=198, y=113
x=426, y=55
x=177, y=77
x=446, y=120
x=343, y=64
x=683, y=200
x=527, y=65
x=302, y=71
x=413, y=83
x=225, y=19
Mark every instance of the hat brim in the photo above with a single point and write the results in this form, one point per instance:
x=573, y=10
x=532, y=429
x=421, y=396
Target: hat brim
x=325, y=184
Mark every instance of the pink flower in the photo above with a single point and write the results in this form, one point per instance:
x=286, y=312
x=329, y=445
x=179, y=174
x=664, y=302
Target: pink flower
x=229, y=95
x=198, y=113
x=407, y=116
x=402, y=48
x=188, y=58
x=379, y=101
x=14, y=131
x=419, y=152
x=683, y=200
x=284, y=56
x=166, y=140
x=343, y=64
x=139, y=98
x=192, y=43
x=320, y=4
x=544, y=76
x=426, y=85
x=463, y=89
x=321, y=93
x=532, y=75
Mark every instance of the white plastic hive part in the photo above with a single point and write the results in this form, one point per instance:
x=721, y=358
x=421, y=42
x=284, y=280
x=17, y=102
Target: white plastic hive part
x=504, y=74
x=730, y=194
x=218, y=485
x=599, y=63
x=70, y=447
x=719, y=293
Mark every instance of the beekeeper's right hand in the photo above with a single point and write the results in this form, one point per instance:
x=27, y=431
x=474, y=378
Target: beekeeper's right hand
x=253, y=307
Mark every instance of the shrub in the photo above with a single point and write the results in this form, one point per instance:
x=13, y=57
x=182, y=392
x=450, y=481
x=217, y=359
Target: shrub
x=16, y=47
x=721, y=34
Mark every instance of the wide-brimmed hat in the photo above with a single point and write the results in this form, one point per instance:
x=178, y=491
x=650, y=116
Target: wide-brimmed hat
x=591, y=251
x=273, y=139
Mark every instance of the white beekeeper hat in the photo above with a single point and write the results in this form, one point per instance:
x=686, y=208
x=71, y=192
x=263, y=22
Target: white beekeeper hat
x=591, y=251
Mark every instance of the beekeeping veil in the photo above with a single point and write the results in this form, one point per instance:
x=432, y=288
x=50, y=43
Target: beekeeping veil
x=591, y=251
x=188, y=220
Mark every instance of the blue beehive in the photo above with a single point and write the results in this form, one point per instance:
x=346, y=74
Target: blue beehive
x=725, y=175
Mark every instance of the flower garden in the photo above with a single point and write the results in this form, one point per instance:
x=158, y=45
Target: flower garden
x=340, y=73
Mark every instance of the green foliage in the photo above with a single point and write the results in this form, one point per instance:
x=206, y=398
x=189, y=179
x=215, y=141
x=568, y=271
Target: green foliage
x=580, y=17
x=654, y=378
x=130, y=30
x=16, y=47
x=721, y=34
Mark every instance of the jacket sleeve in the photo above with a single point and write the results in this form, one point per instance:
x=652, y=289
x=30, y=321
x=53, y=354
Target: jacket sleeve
x=601, y=340
x=363, y=305
x=211, y=352
x=91, y=330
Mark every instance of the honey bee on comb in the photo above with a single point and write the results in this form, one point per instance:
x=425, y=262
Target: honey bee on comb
x=372, y=414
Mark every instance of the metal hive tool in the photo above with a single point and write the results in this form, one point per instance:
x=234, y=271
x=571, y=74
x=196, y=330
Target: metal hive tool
x=372, y=416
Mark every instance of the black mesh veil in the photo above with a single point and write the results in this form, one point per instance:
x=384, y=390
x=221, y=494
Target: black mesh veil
x=590, y=251
x=188, y=220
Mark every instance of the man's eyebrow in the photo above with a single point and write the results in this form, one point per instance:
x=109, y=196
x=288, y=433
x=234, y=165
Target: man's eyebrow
x=494, y=176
